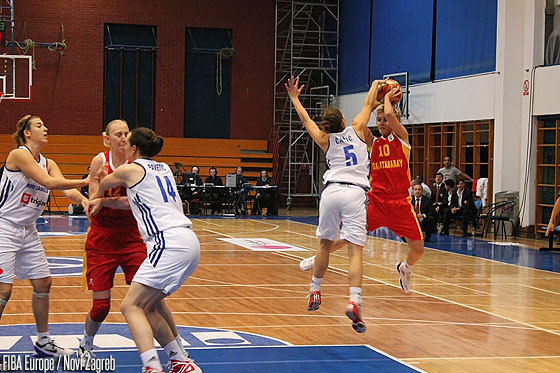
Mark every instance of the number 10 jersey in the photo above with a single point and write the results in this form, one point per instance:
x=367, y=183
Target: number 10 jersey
x=347, y=159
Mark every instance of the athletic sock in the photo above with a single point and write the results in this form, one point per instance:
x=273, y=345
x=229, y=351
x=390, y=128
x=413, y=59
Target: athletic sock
x=180, y=343
x=150, y=359
x=174, y=351
x=315, y=283
x=356, y=295
x=87, y=342
x=43, y=338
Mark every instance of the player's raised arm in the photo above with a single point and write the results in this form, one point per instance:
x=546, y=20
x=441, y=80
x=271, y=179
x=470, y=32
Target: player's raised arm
x=294, y=89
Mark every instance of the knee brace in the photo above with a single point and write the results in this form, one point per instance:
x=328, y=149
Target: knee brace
x=100, y=309
x=41, y=295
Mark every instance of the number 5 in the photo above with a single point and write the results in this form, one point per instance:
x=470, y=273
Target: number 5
x=351, y=158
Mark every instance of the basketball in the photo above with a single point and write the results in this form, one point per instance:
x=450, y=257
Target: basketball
x=386, y=87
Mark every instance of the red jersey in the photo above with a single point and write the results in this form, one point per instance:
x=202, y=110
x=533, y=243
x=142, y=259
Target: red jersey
x=114, y=218
x=390, y=174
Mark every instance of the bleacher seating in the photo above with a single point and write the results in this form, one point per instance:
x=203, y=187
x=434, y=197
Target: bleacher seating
x=73, y=154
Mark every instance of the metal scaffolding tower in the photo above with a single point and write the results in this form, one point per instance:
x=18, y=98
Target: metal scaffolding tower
x=306, y=45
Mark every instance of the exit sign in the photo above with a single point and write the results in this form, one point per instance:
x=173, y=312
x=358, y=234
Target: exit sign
x=2, y=25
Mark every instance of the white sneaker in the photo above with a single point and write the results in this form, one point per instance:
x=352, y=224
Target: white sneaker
x=307, y=264
x=405, y=277
x=84, y=354
x=51, y=349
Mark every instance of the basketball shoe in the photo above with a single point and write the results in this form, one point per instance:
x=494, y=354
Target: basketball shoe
x=51, y=349
x=353, y=313
x=85, y=354
x=307, y=263
x=405, y=277
x=151, y=370
x=188, y=366
x=314, y=300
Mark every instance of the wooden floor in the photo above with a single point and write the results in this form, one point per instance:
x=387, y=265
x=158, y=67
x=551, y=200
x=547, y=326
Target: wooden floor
x=466, y=314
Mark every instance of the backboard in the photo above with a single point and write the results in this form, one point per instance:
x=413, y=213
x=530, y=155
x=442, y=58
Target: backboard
x=402, y=78
x=16, y=77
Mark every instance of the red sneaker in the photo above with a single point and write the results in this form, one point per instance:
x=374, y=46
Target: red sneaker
x=314, y=300
x=151, y=370
x=188, y=366
x=353, y=313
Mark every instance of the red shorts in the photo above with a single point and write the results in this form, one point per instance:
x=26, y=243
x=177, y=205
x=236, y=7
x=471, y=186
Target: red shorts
x=396, y=214
x=106, y=249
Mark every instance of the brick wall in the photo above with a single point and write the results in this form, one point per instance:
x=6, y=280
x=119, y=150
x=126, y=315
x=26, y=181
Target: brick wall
x=68, y=90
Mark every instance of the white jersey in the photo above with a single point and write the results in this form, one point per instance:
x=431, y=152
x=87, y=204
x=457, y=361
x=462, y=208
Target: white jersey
x=155, y=203
x=22, y=200
x=347, y=158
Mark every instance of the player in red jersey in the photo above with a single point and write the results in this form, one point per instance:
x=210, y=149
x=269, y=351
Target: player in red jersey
x=113, y=239
x=389, y=202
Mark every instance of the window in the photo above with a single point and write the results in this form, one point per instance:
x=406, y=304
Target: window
x=129, y=69
x=469, y=144
x=548, y=169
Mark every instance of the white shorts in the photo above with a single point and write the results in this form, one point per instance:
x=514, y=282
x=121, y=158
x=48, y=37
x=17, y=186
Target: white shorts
x=21, y=253
x=346, y=204
x=166, y=269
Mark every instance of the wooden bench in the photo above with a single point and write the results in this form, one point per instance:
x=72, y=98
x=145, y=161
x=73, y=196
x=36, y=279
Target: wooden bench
x=74, y=153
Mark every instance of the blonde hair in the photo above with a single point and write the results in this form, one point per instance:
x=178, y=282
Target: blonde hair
x=107, y=130
x=396, y=109
x=22, y=125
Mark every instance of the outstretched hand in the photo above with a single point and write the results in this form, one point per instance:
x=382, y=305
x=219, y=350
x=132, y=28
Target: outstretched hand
x=293, y=87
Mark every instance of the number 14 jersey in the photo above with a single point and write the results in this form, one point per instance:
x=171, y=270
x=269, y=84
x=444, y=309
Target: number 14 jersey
x=390, y=174
x=347, y=159
x=154, y=200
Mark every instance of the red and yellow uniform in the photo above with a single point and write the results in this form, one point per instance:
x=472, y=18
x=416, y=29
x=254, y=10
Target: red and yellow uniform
x=113, y=239
x=389, y=202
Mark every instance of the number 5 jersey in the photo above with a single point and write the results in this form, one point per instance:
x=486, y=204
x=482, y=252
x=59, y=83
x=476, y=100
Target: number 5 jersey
x=347, y=159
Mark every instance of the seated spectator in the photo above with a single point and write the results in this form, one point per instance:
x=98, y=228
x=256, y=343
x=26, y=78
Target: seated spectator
x=265, y=198
x=194, y=196
x=462, y=207
x=439, y=197
x=214, y=195
x=425, y=189
x=240, y=193
x=423, y=208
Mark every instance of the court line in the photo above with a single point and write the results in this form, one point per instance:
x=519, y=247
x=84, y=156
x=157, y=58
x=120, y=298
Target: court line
x=445, y=300
x=425, y=294
x=483, y=358
x=396, y=359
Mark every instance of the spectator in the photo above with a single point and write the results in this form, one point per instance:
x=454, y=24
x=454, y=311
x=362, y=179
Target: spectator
x=265, y=197
x=425, y=189
x=240, y=193
x=461, y=206
x=423, y=209
x=214, y=195
x=439, y=197
x=193, y=195
x=451, y=172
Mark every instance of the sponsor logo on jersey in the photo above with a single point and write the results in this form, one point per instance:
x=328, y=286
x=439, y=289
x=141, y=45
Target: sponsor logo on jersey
x=25, y=198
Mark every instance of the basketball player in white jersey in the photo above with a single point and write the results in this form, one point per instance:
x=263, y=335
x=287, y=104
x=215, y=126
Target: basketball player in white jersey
x=344, y=197
x=173, y=248
x=24, y=191
x=113, y=240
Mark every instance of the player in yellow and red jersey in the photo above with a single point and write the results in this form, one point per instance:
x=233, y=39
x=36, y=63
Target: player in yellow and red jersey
x=389, y=202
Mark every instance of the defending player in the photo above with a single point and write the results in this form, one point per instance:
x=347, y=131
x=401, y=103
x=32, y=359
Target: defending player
x=173, y=248
x=113, y=239
x=344, y=197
